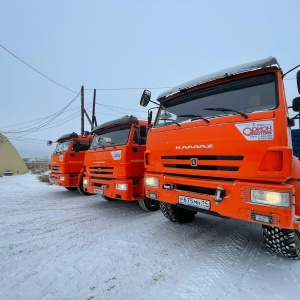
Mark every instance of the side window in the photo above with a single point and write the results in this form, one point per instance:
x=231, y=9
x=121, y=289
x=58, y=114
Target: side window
x=135, y=136
x=84, y=146
x=76, y=146
x=143, y=135
x=80, y=146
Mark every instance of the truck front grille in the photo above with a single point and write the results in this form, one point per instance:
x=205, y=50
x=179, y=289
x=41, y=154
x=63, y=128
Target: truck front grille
x=203, y=162
x=202, y=167
x=102, y=170
x=54, y=168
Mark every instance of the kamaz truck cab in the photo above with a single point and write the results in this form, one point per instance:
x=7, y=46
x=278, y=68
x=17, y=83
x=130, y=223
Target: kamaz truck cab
x=67, y=160
x=114, y=164
x=221, y=145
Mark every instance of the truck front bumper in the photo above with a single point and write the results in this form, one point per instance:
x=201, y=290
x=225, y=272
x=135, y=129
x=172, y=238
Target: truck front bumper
x=231, y=199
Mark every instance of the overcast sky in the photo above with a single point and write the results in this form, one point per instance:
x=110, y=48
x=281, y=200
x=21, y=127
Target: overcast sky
x=123, y=47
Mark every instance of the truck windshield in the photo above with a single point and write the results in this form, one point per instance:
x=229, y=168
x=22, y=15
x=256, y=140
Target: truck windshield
x=62, y=147
x=111, y=137
x=238, y=97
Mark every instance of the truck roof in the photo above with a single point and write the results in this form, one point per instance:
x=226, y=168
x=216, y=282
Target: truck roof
x=67, y=137
x=123, y=120
x=259, y=64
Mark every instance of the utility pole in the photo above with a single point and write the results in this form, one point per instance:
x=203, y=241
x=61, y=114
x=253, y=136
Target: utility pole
x=94, y=121
x=82, y=109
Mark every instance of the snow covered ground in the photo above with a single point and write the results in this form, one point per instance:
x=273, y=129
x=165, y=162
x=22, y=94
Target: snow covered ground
x=57, y=244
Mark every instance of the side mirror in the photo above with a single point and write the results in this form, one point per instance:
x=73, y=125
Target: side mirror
x=298, y=81
x=145, y=99
x=296, y=101
x=49, y=143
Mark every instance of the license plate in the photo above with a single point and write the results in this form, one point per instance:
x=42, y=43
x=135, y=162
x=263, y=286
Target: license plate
x=100, y=192
x=200, y=203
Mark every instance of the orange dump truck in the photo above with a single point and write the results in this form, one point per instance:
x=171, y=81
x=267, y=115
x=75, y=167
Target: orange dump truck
x=66, y=162
x=221, y=145
x=114, y=164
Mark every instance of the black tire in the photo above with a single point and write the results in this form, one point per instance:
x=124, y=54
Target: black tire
x=149, y=204
x=284, y=242
x=71, y=188
x=177, y=214
x=81, y=189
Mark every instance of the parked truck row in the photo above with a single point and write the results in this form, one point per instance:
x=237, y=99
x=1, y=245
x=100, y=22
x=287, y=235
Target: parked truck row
x=109, y=162
x=220, y=144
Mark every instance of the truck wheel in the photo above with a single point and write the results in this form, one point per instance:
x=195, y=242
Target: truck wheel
x=176, y=214
x=81, y=189
x=149, y=204
x=284, y=242
x=71, y=188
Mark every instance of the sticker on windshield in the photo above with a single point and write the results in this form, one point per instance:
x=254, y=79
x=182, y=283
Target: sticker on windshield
x=116, y=155
x=257, y=131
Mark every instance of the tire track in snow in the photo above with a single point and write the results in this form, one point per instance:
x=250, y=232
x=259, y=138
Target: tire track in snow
x=78, y=247
x=74, y=227
x=209, y=262
x=230, y=254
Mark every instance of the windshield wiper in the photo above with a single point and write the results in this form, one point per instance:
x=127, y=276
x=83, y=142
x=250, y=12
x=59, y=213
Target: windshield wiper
x=105, y=141
x=194, y=117
x=226, y=110
x=112, y=144
x=172, y=121
x=99, y=139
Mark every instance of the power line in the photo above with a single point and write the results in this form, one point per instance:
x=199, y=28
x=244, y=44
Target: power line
x=44, y=118
x=37, y=127
x=108, y=106
x=58, y=123
x=40, y=124
x=98, y=89
x=24, y=62
x=40, y=120
x=24, y=139
x=55, y=82
x=130, y=88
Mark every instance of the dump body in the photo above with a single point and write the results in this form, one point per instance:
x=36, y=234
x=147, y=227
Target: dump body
x=67, y=161
x=215, y=148
x=114, y=164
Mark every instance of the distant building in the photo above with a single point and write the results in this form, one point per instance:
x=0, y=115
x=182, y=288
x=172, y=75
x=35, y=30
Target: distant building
x=10, y=160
